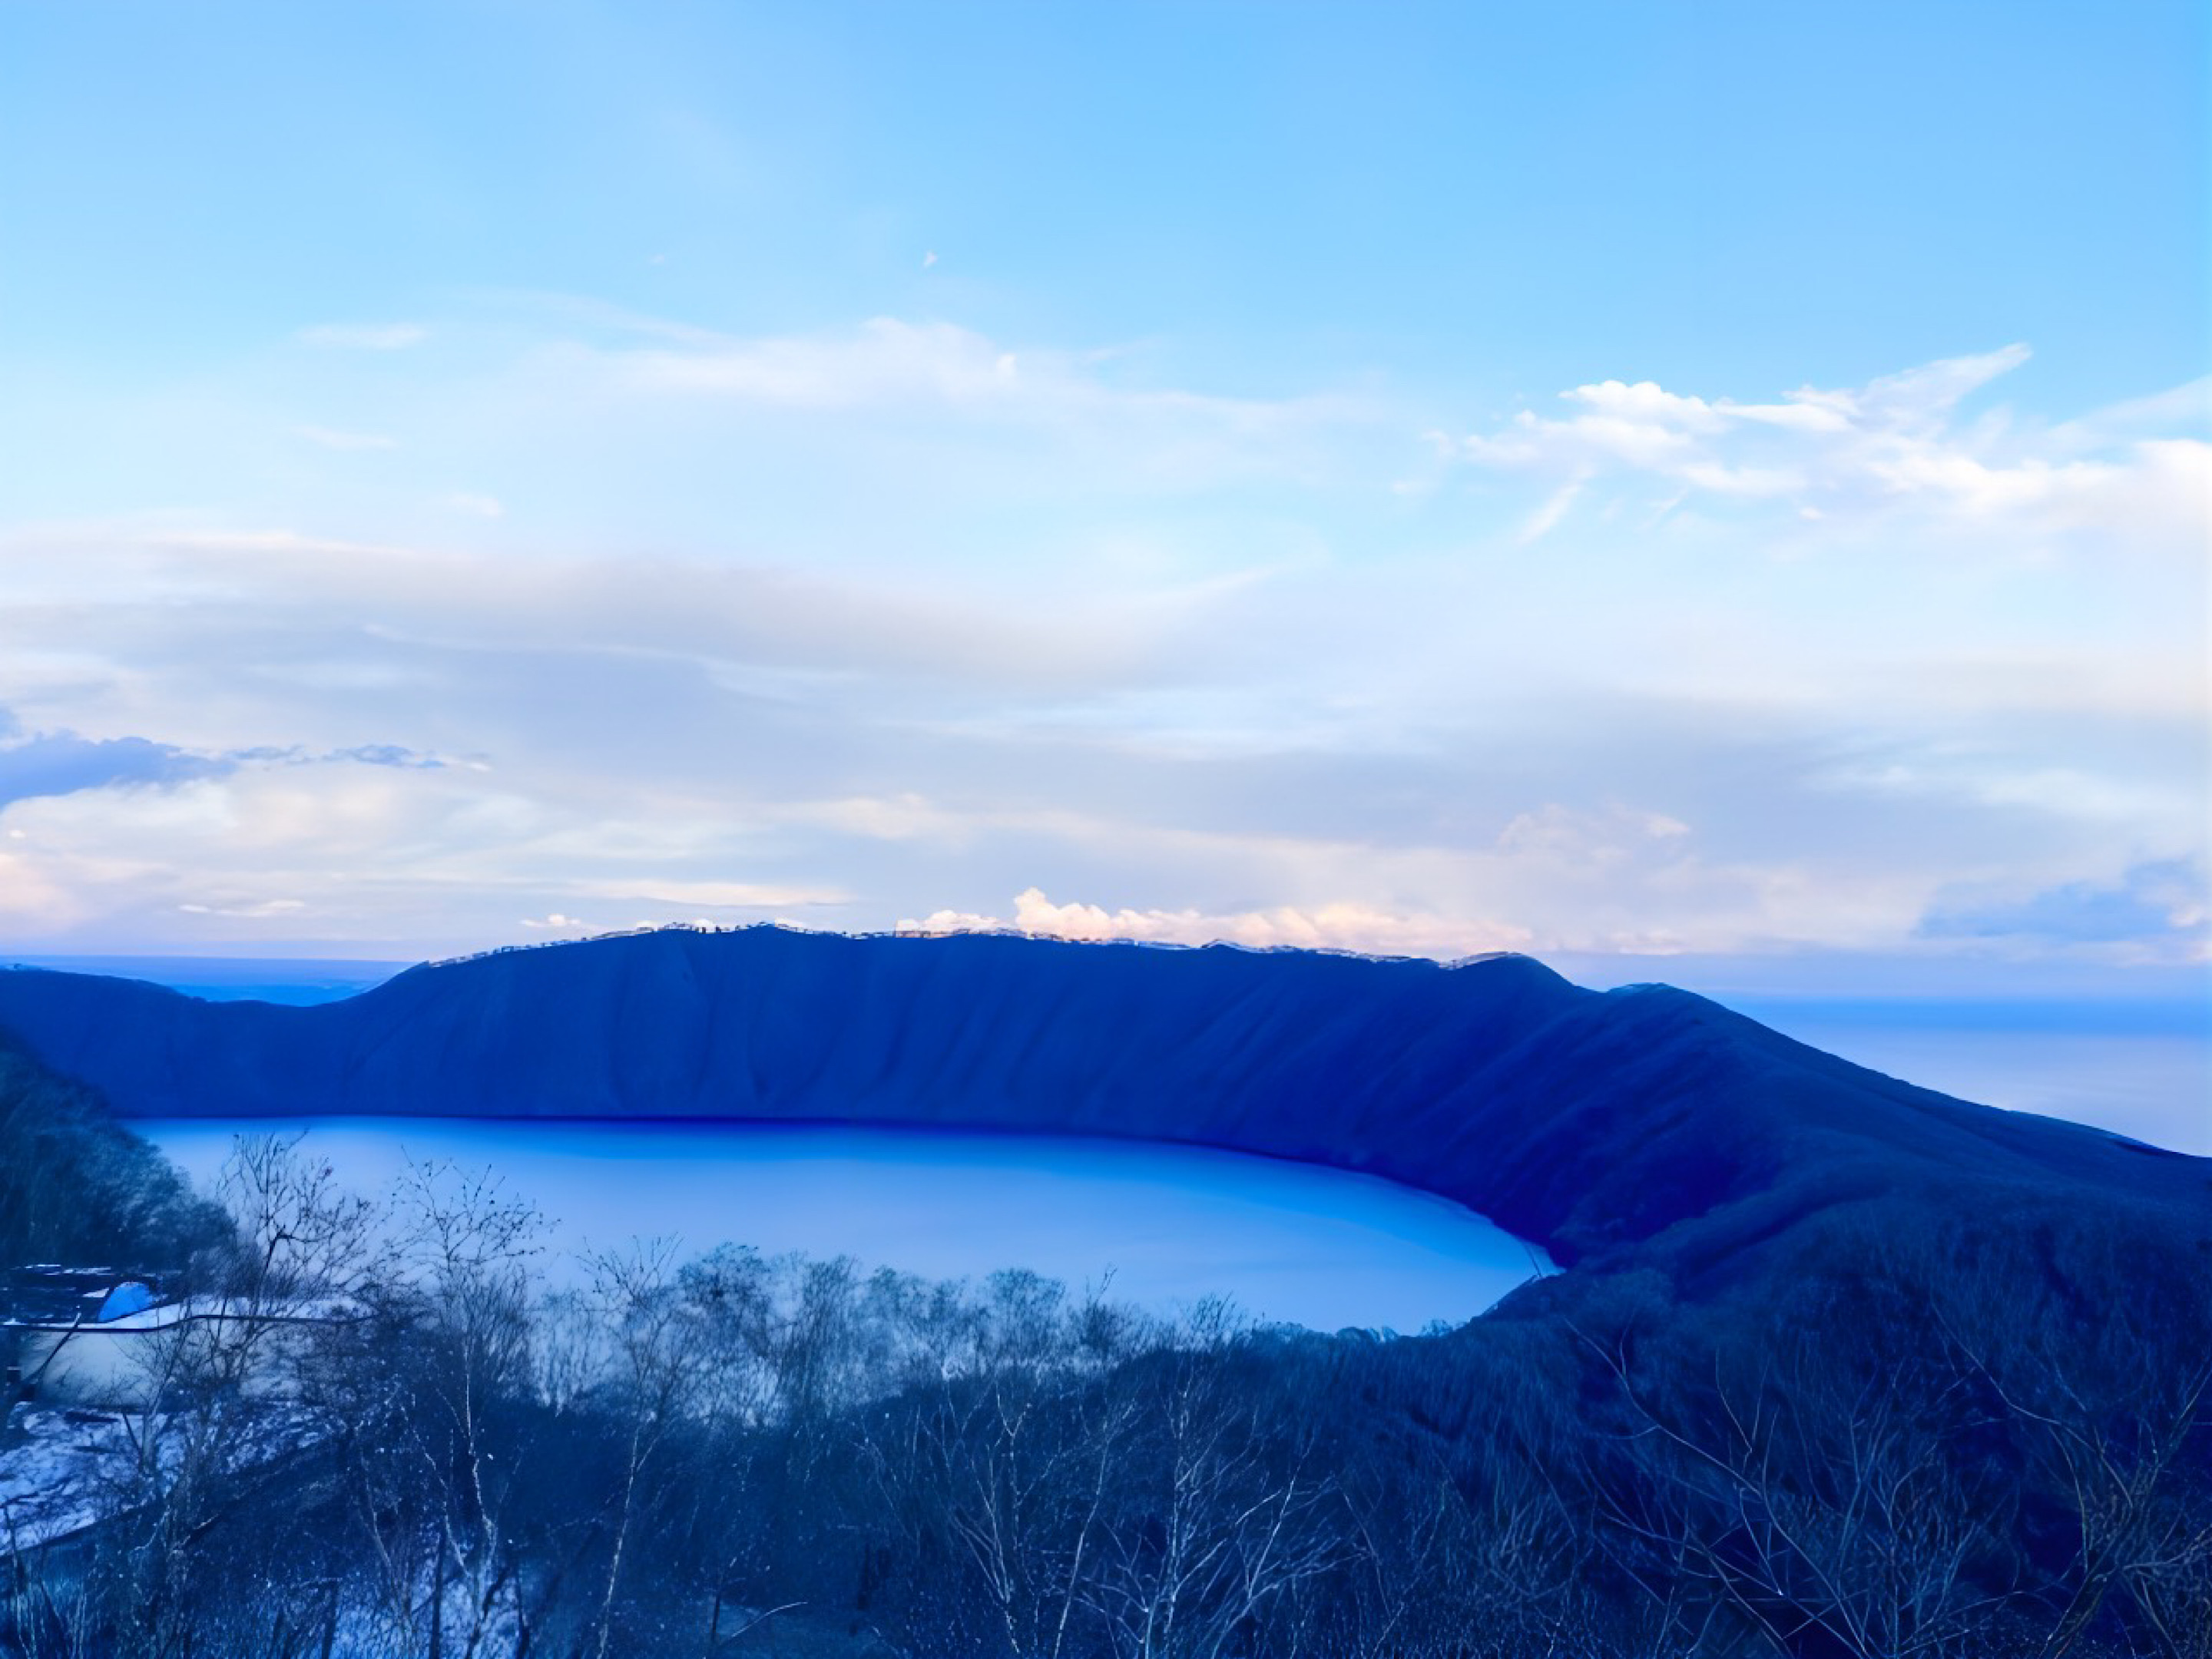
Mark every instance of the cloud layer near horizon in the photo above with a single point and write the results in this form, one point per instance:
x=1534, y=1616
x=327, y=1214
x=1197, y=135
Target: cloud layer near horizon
x=552, y=612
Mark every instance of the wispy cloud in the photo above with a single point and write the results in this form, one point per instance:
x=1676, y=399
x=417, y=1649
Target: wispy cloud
x=364, y=754
x=2161, y=908
x=60, y=762
x=364, y=336
x=1546, y=519
x=719, y=614
x=713, y=895
x=1342, y=926
x=331, y=438
x=473, y=504
x=889, y=362
x=1896, y=443
x=277, y=909
x=865, y=668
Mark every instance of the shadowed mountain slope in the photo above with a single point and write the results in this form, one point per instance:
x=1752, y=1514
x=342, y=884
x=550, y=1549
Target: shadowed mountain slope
x=1644, y=1118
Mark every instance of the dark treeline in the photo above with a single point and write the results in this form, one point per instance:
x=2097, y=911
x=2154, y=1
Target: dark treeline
x=76, y=1185
x=1967, y=1429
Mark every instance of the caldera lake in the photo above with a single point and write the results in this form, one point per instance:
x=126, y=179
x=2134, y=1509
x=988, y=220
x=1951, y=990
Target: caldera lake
x=1161, y=1226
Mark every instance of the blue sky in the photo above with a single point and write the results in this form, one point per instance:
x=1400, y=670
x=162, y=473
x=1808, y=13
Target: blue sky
x=1617, y=481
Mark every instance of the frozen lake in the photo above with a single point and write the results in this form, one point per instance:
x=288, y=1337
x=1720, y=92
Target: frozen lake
x=1316, y=1247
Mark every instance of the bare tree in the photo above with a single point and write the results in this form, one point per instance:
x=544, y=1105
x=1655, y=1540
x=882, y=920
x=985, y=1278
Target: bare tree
x=1813, y=1497
x=1226, y=1513
x=466, y=1250
x=649, y=1376
x=220, y=1406
x=1007, y=1439
x=2123, y=1443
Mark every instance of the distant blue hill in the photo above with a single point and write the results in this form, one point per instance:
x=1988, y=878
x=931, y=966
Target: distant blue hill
x=300, y=979
x=1644, y=1120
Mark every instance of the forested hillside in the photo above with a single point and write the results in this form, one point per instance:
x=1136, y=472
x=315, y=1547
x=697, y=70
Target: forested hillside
x=77, y=1186
x=1841, y=1367
x=1586, y=1122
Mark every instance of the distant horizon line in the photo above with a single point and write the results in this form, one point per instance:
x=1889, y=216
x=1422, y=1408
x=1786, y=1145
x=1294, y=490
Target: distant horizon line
x=35, y=959
x=2186, y=988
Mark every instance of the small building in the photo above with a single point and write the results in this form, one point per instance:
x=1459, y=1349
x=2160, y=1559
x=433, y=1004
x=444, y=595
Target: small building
x=97, y=1339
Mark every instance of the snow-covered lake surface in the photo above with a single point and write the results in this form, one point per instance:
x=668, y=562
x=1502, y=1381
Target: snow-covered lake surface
x=1315, y=1247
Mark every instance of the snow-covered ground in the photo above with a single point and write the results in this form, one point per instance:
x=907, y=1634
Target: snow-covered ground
x=54, y=1469
x=63, y=1468
x=1316, y=1247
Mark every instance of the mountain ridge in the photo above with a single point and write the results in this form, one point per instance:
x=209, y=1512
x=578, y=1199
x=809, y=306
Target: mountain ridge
x=1645, y=1119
